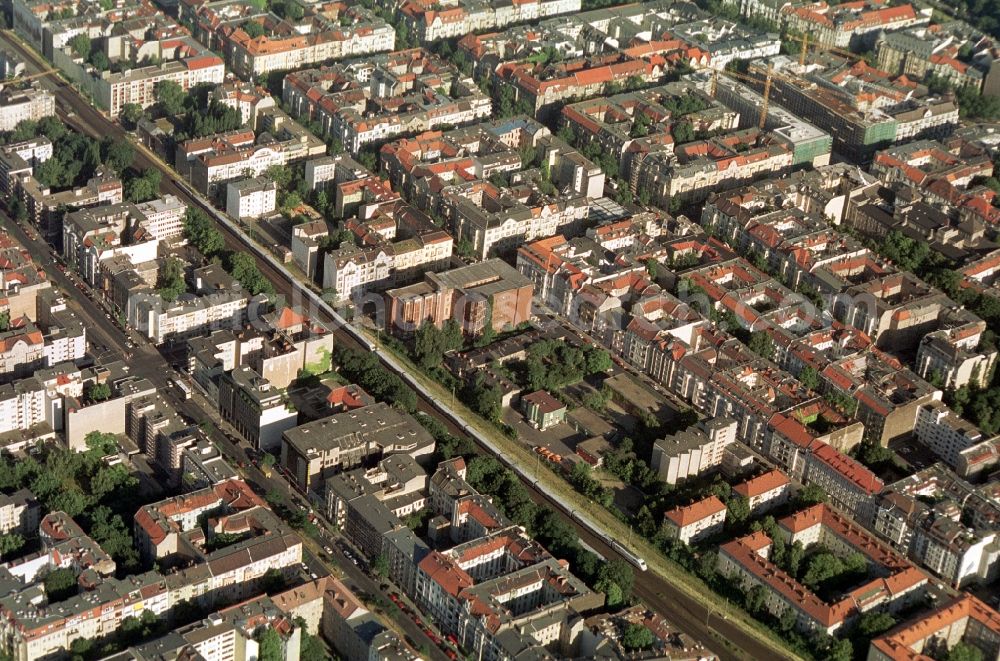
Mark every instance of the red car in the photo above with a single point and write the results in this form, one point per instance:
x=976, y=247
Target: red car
x=451, y=654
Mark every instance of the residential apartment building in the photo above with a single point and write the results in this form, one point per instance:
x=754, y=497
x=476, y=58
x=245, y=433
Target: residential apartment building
x=251, y=198
x=220, y=302
x=944, y=433
x=407, y=91
x=93, y=235
x=28, y=104
x=431, y=22
x=19, y=513
x=258, y=410
x=694, y=522
x=230, y=574
x=489, y=292
x=316, y=450
x=850, y=25
x=944, y=524
x=693, y=451
x=163, y=217
x=285, y=46
x=395, y=245
x=746, y=561
x=963, y=619
x=543, y=86
x=864, y=109
x=765, y=492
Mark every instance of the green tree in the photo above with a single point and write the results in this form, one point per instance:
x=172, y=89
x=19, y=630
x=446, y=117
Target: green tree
x=598, y=360
x=271, y=647
x=281, y=175
x=873, y=624
x=962, y=651
x=272, y=581
x=80, y=45
x=619, y=573
x=811, y=494
x=244, y=269
x=170, y=97
x=99, y=60
x=755, y=599
x=761, y=344
x=809, y=377
x=9, y=543
x=637, y=637
x=613, y=595
x=97, y=392
x=683, y=132
x=170, y=280
x=311, y=648
x=144, y=187
x=380, y=566
x=873, y=455
x=840, y=650
x=109, y=529
x=117, y=154
x=202, y=233
x=131, y=114
x=60, y=584
x=738, y=510
x=253, y=29
x=483, y=398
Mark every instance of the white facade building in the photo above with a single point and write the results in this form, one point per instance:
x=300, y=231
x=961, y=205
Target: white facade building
x=251, y=198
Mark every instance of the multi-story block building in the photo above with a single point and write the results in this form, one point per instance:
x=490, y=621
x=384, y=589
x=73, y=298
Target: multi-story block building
x=490, y=292
x=220, y=303
x=898, y=586
x=853, y=24
x=864, y=109
x=432, y=22
x=946, y=434
x=541, y=87
x=394, y=245
x=348, y=32
x=233, y=573
x=692, y=451
x=952, y=51
x=963, y=619
x=694, y=522
x=20, y=105
x=93, y=235
x=163, y=217
x=19, y=513
x=944, y=524
x=251, y=198
x=407, y=91
x=258, y=410
x=316, y=450
x=765, y=492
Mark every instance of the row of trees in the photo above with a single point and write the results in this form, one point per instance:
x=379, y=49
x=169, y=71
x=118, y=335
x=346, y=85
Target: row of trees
x=614, y=578
x=363, y=368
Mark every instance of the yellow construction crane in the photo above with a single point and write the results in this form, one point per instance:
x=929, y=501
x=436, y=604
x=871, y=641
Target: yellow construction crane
x=767, y=93
x=742, y=76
